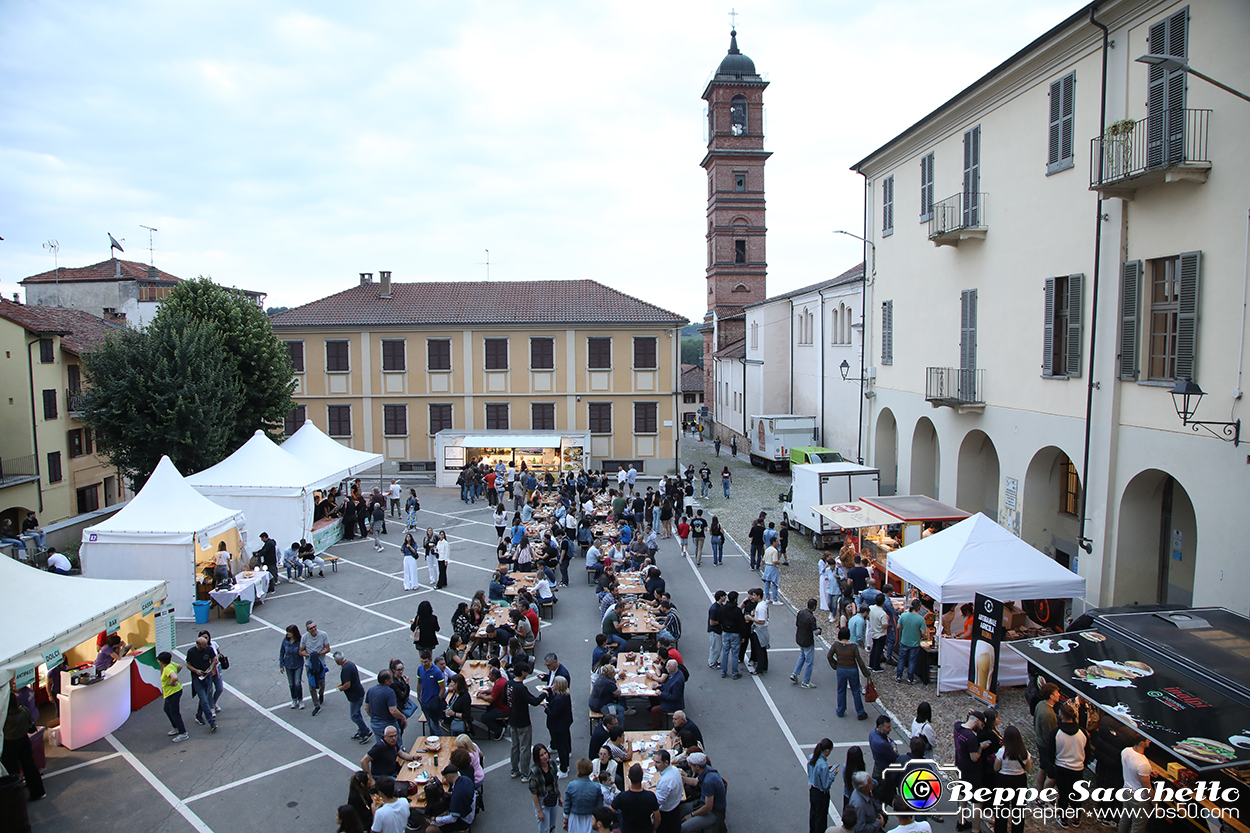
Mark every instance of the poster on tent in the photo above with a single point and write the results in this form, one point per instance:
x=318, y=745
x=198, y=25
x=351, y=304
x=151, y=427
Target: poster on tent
x=166, y=635
x=327, y=535
x=987, y=639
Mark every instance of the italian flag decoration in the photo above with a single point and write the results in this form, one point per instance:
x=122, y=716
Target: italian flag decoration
x=145, y=679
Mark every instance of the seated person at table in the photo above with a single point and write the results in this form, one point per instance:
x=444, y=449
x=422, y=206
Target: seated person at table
x=627, y=535
x=600, y=735
x=672, y=693
x=462, y=808
x=594, y=558
x=291, y=560
x=526, y=603
x=604, y=691
x=308, y=555
x=602, y=647
x=604, y=769
x=110, y=653
x=521, y=625
x=664, y=647
x=496, y=590
x=689, y=745
x=611, y=625
x=683, y=725
x=512, y=654
x=496, y=717
x=497, y=638
x=670, y=624
x=457, y=653
x=606, y=579
x=383, y=757
x=544, y=591
x=654, y=583
x=392, y=816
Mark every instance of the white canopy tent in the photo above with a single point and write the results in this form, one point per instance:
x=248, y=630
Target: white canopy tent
x=40, y=611
x=974, y=556
x=271, y=486
x=327, y=455
x=158, y=534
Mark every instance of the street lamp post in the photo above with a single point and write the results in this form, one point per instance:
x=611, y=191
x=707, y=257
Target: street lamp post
x=1185, y=397
x=1171, y=63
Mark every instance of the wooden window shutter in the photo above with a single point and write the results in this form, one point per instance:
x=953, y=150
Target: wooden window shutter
x=1056, y=118
x=1187, y=315
x=1067, y=112
x=968, y=329
x=887, y=332
x=972, y=177
x=1165, y=93
x=1048, y=330
x=926, y=187
x=1076, y=284
x=1130, y=285
x=887, y=206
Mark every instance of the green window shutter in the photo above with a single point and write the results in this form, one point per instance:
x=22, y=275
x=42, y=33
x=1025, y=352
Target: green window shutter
x=1187, y=316
x=1056, y=118
x=1048, y=330
x=1067, y=112
x=972, y=178
x=1076, y=285
x=968, y=329
x=1130, y=288
x=887, y=332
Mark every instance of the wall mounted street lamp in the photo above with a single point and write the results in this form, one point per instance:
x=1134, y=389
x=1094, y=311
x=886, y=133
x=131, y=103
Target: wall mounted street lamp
x=1186, y=396
x=1172, y=63
x=846, y=369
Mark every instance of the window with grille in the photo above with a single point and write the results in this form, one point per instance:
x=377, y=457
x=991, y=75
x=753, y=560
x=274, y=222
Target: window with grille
x=438, y=354
x=440, y=418
x=599, y=353
x=600, y=417
x=542, y=353
x=296, y=418
x=645, y=353
x=296, y=349
x=543, y=416
x=339, y=420
x=496, y=354
x=497, y=416
x=395, y=420
x=646, y=417
x=336, y=357
x=393, y=354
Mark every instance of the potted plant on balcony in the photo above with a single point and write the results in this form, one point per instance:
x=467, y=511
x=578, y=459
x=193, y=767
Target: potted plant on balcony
x=1117, y=144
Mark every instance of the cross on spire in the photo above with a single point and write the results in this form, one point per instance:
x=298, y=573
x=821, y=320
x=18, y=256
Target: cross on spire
x=733, y=19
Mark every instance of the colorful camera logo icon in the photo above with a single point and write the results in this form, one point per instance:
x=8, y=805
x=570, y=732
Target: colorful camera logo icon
x=922, y=784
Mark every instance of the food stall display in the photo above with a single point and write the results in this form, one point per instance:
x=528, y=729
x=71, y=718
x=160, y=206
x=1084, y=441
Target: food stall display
x=540, y=452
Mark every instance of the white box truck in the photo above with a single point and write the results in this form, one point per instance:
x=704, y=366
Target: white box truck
x=773, y=435
x=821, y=484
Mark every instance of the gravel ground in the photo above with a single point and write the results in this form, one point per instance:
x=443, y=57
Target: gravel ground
x=755, y=489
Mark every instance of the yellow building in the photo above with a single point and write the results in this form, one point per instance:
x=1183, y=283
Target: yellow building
x=385, y=367
x=48, y=461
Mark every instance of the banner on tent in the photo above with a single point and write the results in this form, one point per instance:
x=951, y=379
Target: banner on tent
x=112, y=624
x=25, y=676
x=166, y=632
x=987, y=638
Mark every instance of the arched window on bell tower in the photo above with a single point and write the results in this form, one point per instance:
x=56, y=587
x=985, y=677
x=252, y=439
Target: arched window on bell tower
x=738, y=115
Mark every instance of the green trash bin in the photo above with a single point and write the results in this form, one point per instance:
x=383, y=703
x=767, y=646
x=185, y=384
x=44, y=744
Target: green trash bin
x=242, y=611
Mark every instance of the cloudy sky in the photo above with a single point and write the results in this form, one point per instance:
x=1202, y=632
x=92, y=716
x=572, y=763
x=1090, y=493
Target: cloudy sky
x=286, y=147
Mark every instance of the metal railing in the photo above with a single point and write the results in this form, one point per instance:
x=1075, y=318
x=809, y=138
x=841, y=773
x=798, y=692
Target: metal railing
x=955, y=385
x=17, y=468
x=1154, y=143
x=73, y=399
x=965, y=210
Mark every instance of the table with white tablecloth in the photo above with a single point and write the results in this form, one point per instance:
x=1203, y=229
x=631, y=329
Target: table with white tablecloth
x=252, y=585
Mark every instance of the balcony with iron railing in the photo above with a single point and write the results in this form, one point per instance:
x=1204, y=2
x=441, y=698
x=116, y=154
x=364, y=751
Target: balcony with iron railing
x=17, y=470
x=957, y=218
x=956, y=387
x=1169, y=147
x=73, y=400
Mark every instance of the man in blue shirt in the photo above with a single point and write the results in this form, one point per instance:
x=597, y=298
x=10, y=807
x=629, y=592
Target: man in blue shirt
x=709, y=810
x=462, y=807
x=383, y=708
x=349, y=684
x=431, y=689
x=883, y=752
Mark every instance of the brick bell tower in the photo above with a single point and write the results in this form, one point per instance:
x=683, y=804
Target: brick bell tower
x=736, y=265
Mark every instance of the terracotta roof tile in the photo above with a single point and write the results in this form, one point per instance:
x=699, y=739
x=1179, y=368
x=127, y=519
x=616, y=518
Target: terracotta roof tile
x=479, y=302
x=105, y=270
x=733, y=350
x=691, y=378
x=80, y=331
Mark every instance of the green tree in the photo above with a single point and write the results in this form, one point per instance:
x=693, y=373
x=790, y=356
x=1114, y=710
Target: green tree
x=692, y=350
x=262, y=361
x=171, y=389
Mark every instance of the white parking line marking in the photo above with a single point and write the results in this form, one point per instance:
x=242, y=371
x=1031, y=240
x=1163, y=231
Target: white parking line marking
x=99, y=760
x=252, y=778
x=165, y=793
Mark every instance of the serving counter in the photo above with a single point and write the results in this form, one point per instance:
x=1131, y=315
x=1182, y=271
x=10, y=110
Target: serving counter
x=90, y=712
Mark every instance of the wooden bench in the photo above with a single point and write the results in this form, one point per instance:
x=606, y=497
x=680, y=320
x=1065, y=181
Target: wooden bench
x=547, y=610
x=333, y=561
x=591, y=577
x=594, y=715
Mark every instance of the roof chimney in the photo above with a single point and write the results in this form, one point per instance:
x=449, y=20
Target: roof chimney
x=117, y=268
x=366, y=278
x=386, y=284
x=153, y=275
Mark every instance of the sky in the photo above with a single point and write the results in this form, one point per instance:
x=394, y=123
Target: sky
x=286, y=147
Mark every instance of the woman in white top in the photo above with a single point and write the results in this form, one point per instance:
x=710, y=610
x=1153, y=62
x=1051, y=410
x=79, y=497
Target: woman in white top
x=412, y=567
x=922, y=726
x=501, y=520
x=604, y=763
x=826, y=584
x=1012, y=763
x=222, y=570
x=442, y=551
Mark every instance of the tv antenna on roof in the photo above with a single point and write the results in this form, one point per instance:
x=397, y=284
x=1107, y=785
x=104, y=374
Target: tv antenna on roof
x=487, y=265
x=55, y=247
x=151, y=260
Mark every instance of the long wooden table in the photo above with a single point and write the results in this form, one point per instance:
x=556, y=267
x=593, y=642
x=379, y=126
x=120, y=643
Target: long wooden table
x=429, y=764
x=640, y=745
x=638, y=621
x=522, y=580
x=635, y=665
x=496, y=614
x=630, y=583
x=476, y=673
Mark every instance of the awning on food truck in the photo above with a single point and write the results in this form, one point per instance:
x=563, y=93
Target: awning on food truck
x=514, y=441
x=855, y=515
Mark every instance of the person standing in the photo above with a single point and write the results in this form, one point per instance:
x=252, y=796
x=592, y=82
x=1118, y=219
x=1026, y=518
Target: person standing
x=545, y=789
x=392, y=816
x=268, y=556
x=431, y=692
x=698, y=531
x=805, y=630
x=560, y=721
x=424, y=627
x=291, y=663
x=430, y=545
x=349, y=684
x=1045, y=722
x=412, y=567
x=668, y=791
x=732, y=623
x=1011, y=765
x=214, y=678
x=912, y=630
x=412, y=507
x=171, y=691
x=1137, y=772
x=759, y=638
x=783, y=543
x=878, y=625
x=705, y=480
x=772, y=574
x=820, y=779
x=442, y=553
x=582, y=798
x=1069, y=762
x=968, y=755
x=726, y=479
x=202, y=661
x=756, y=536
x=314, y=646
x=716, y=535
x=714, y=630
x=383, y=708
x=520, y=698
x=847, y=661
x=377, y=524
x=639, y=807
x=733, y=447
x=396, y=492
x=349, y=519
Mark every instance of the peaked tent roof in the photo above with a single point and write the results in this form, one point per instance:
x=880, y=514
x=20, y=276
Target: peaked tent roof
x=166, y=510
x=261, y=465
x=308, y=443
x=977, y=555
x=32, y=625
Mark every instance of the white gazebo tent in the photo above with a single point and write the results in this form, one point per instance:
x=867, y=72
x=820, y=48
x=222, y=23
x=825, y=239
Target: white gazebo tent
x=40, y=611
x=327, y=455
x=271, y=486
x=974, y=556
x=161, y=534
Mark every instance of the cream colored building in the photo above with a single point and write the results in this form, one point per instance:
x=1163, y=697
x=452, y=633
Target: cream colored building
x=48, y=460
x=384, y=367
x=1001, y=221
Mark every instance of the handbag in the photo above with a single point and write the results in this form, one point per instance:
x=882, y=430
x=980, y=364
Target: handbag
x=870, y=692
x=457, y=726
x=223, y=661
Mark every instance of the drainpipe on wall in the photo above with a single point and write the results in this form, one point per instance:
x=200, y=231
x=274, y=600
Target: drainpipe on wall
x=790, y=352
x=34, y=424
x=677, y=398
x=1086, y=543
x=863, y=318
x=744, y=399
x=823, y=345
